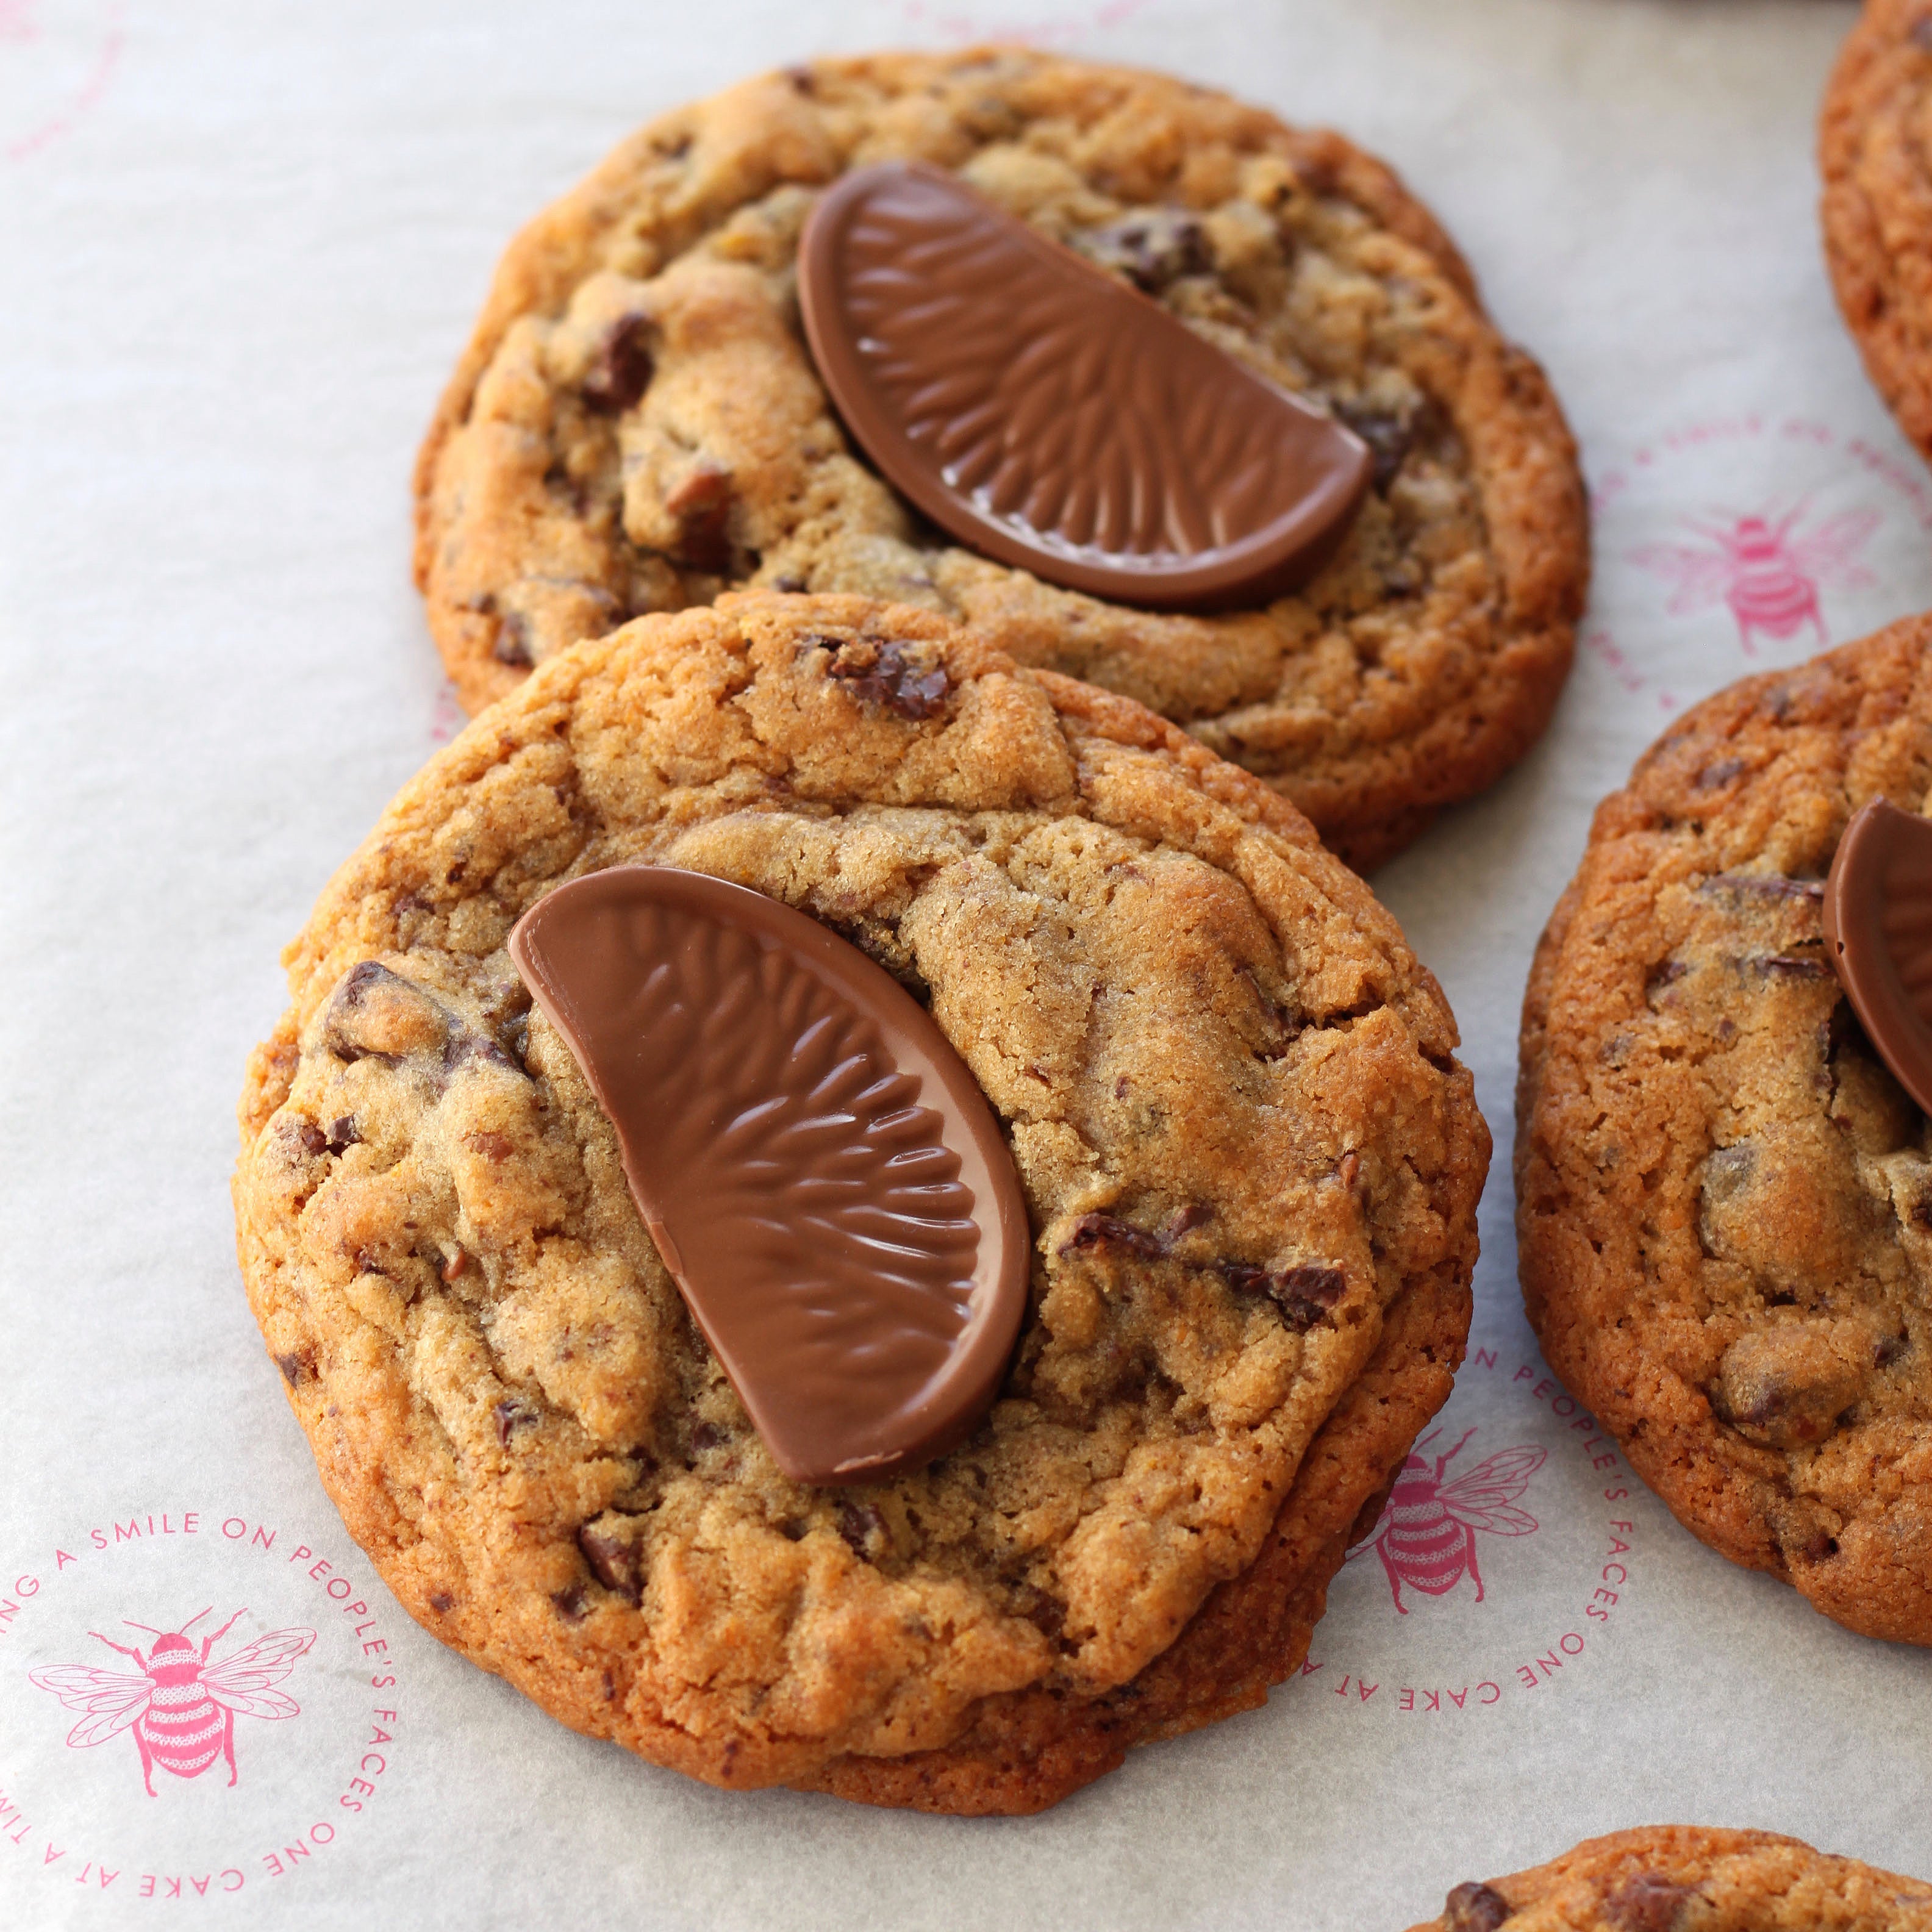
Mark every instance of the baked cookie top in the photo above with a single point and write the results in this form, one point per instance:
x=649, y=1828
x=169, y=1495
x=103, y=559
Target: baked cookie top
x=1876, y=207
x=1724, y=1199
x=1688, y=1878
x=1227, y=1085
x=637, y=425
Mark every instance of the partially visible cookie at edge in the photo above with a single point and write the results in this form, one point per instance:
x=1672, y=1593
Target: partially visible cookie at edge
x=1690, y=1878
x=1723, y=1196
x=636, y=423
x=1250, y=1160
x=1876, y=206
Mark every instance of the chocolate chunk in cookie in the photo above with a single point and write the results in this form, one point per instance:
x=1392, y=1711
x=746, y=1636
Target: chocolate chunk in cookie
x=1472, y=1907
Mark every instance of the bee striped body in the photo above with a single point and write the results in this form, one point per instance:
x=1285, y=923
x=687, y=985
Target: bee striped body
x=1424, y=1545
x=183, y=1727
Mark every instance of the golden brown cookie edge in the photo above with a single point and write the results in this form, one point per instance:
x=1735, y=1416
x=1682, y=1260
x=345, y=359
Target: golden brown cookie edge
x=1875, y=212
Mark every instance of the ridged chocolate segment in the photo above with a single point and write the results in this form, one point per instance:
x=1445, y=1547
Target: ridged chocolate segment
x=819, y=1170
x=1878, y=928
x=1049, y=415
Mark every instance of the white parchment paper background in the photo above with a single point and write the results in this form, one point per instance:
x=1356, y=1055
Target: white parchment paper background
x=239, y=246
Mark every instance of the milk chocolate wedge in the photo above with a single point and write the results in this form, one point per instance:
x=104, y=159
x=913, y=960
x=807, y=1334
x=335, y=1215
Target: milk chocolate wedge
x=1054, y=418
x=1878, y=925
x=819, y=1170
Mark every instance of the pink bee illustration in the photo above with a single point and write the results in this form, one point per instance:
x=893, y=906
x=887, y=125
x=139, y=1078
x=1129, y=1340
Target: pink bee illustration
x=1426, y=1534
x=182, y=1711
x=1765, y=567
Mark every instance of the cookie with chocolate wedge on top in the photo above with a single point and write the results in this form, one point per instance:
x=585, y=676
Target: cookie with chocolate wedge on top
x=1723, y=1158
x=1153, y=389
x=791, y=995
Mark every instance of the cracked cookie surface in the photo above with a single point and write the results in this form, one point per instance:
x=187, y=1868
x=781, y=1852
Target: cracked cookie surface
x=636, y=423
x=1724, y=1199
x=1250, y=1162
x=1689, y=1878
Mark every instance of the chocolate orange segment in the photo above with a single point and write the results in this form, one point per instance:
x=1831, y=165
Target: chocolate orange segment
x=1053, y=417
x=817, y=1167
x=1878, y=926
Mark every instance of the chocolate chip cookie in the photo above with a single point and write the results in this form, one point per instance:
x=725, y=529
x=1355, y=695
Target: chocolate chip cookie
x=1689, y=1878
x=1876, y=207
x=1724, y=1196
x=1249, y=1160
x=638, y=423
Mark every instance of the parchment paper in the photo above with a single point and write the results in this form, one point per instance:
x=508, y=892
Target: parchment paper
x=240, y=246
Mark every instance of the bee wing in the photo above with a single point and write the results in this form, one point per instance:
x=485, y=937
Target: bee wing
x=1703, y=576
x=1827, y=553
x=111, y=1698
x=243, y=1682
x=1500, y=1519
x=1483, y=1497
